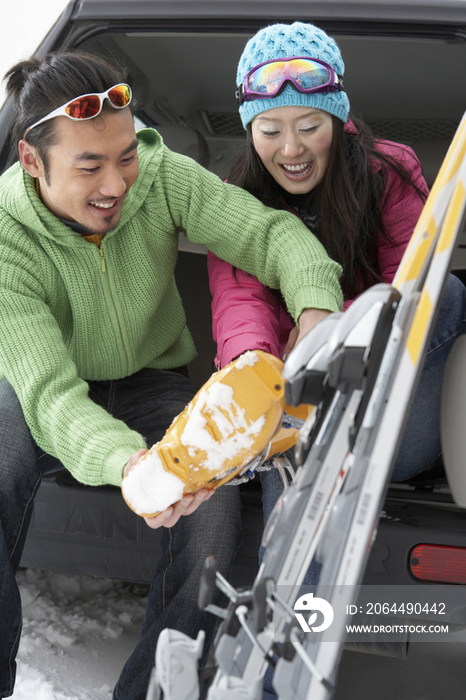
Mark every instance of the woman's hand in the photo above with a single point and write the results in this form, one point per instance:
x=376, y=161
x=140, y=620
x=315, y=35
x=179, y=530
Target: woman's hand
x=185, y=506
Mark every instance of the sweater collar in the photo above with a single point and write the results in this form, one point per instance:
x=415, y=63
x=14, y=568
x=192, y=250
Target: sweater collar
x=150, y=152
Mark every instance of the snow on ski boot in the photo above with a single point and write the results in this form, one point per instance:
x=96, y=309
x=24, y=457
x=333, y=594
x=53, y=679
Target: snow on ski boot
x=229, y=422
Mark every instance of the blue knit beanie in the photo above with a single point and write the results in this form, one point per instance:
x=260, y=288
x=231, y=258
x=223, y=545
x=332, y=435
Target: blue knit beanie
x=286, y=41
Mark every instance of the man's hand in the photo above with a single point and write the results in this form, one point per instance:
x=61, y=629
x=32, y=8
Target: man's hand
x=185, y=506
x=290, y=343
x=308, y=319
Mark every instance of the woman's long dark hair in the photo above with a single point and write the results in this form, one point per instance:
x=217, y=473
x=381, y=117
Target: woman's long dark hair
x=346, y=204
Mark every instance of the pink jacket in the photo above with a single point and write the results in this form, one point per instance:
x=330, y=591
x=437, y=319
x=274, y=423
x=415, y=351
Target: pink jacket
x=248, y=316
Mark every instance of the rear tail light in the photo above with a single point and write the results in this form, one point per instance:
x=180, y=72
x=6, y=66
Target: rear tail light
x=434, y=562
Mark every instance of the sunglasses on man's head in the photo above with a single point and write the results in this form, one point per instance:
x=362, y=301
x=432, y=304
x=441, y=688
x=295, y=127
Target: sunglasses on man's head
x=307, y=75
x=89, y=106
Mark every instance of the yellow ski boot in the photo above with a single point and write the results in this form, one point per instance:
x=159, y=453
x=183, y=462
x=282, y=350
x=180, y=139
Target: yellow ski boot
x=229, y=422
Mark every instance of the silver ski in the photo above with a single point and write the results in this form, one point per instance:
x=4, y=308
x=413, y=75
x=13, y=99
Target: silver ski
x=361, y=370
x=351, y=529
x=294, y=538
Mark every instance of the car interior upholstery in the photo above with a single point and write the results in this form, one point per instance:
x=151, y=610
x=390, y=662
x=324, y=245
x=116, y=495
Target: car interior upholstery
x=188, y=80
x=184, y=85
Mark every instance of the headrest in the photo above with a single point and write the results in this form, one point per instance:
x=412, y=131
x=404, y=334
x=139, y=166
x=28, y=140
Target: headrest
x=431, y=153
x=189, y=142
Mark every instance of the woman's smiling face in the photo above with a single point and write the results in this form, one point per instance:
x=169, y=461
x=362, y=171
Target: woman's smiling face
x=294, y=144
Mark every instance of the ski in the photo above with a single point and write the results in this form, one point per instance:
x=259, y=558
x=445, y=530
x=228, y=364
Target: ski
x=420, y=280
x=360, y=370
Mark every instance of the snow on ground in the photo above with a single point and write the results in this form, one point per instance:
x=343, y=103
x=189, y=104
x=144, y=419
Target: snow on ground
x=78, y=632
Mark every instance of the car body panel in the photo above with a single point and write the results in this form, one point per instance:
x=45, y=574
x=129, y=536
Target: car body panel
x=405, y=75
x=449, y=11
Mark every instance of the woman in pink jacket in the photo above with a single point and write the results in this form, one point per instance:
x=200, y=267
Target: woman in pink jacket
x=361, y=196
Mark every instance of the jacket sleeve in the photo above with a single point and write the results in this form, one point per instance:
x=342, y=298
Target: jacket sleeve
x=401, y=208
x=63, y=420
x=246, y=315
x=274, y=246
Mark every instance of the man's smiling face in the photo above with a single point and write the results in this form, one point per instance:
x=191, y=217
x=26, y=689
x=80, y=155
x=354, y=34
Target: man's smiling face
x=92, y=166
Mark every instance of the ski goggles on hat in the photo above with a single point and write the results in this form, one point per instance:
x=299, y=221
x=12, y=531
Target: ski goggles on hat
x=89, y=106
x=307, y=75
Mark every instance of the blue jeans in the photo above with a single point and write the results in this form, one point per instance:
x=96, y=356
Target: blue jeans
x=147, y=402
x=420, y=446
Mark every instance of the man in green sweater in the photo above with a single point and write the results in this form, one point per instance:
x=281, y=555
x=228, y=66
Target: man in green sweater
x=93, y=340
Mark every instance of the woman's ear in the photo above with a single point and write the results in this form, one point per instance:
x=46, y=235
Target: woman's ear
x=30, y=160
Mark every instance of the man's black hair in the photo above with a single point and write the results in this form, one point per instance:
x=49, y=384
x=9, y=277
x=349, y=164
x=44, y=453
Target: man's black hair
x=38, y=86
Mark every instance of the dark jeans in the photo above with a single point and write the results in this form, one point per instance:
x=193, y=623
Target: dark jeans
x=147, y=402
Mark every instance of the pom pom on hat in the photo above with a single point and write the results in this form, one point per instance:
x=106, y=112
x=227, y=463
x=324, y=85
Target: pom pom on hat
x=285, y=41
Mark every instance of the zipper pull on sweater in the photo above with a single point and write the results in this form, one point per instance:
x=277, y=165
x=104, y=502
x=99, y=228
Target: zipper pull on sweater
x=102, y=259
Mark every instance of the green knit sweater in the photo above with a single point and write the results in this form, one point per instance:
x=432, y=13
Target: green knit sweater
x=70, y=312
